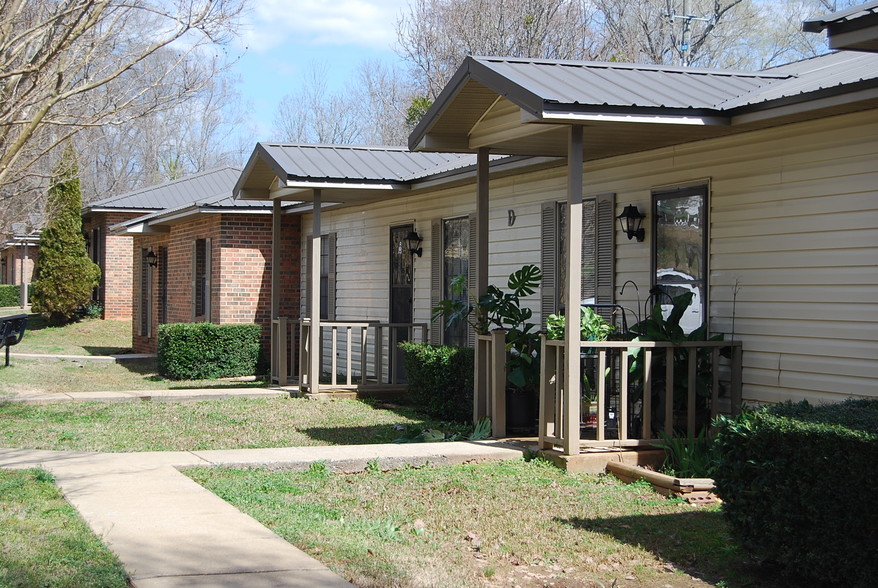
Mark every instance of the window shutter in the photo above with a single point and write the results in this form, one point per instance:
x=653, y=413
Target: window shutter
x=194, y=278
x=208, y=263
x=471, y=277
x=548, y=260
x=140, y=311
x=330, y=275
x=436, y=248
x=306, y=276
x=605, y=265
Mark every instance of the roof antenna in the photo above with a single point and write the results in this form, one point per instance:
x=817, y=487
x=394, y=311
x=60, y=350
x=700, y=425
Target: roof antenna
x=687, y=26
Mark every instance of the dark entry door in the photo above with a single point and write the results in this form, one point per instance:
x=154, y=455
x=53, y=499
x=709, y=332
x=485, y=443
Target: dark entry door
x=401, y=293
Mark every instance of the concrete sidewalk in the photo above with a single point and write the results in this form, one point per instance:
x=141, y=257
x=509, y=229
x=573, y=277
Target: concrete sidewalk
x=170, y=532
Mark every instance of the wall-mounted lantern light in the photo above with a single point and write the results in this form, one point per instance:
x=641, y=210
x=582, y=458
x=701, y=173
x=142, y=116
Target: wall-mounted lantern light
x=631, y=220
x=152, y=259
x=413, y=242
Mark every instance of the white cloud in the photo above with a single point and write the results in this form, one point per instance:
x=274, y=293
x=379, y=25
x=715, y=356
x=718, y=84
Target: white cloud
x=366, y=23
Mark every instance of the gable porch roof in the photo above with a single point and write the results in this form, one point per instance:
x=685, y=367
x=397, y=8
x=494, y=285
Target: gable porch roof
x=524, y=106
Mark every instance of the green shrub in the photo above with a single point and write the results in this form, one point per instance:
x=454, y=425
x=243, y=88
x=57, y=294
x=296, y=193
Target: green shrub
x=10, y=295
x=798, y=487
x=192, y=351
x=64, y=276
x=440, y=380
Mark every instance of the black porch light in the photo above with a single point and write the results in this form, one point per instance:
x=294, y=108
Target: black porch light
x=413, y=242
x=152, y=259
x=631, y=220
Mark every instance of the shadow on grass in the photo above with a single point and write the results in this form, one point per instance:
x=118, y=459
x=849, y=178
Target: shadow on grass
x=695, y=542
x=95, y=350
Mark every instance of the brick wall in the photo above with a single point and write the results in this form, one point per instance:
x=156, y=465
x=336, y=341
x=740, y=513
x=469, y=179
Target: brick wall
x=114, y=259
x=15, y=263
x=240, y=272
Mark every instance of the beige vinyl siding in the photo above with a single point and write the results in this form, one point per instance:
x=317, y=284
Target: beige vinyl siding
x=793, y=217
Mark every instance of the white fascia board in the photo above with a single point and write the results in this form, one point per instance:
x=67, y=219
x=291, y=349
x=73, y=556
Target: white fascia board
x=662, y=119
x=139, y=229
x=343, y=186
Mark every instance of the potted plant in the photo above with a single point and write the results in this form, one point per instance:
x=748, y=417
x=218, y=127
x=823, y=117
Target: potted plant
x=593, y=327
x=500, y=309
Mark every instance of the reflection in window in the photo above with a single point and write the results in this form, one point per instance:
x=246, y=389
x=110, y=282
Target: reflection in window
x=455, y=262
x=680, y=245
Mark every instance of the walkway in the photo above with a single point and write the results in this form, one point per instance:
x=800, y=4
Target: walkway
x=170, y=532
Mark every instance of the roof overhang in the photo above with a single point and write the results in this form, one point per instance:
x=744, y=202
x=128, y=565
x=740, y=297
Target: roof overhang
x=160, y=223
x=855, y=28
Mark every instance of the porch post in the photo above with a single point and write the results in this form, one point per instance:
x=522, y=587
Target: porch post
x=278, y=363
x=275, y=259
x=572, y=376
x=316, y=341
x=482, y=390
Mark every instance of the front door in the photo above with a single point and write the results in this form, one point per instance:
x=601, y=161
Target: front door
x=401, y=294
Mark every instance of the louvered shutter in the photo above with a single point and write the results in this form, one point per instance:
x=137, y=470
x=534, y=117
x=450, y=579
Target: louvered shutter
x=306, y=276
x=436, y=247
x=330, y=275
x=208, y=265
x=605, y=254
x=472, y=270
x=548, y=260
x=194, y=279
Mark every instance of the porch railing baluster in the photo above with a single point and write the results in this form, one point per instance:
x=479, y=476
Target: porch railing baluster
x=621, y=383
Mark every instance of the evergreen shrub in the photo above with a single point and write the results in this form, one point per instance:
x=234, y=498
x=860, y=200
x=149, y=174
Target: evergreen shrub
x=64, y=276
x=440, y=380
x=798, y=487
x=10, y=295
x=194, y=351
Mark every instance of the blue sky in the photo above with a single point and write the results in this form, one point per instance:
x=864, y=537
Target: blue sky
x=283, y=38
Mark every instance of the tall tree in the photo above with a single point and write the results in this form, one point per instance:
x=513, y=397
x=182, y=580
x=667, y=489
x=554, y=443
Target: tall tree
x=435, y=35
x=64, y=276
x=67, y=65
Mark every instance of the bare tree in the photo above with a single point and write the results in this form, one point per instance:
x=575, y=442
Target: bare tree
x=69, y=65
x=314, y=115
x=435, y=35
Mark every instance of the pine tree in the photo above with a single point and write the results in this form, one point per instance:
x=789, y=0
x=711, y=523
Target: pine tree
x=64, y=276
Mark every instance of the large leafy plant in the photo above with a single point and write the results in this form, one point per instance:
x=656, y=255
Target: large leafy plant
x=501, y=309
x=657, y=327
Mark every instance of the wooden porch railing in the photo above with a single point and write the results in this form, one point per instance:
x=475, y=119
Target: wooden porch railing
x=353, y=354
x=632, y=394
x=490, y=380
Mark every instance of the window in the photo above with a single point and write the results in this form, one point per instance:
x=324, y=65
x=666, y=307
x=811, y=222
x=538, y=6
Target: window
x=455, y=262
x=598, y=255
x=679, y=250
x=327, y=276
x=201, y=268
x=452, y=253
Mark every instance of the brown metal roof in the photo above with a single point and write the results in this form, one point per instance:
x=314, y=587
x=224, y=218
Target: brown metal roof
x=368, y=163
x=198, y=187
x=621, y=84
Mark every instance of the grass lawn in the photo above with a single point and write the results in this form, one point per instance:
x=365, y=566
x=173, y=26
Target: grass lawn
x=86, y=337
x=211, y=424
x=43, y=540
x=516, y=523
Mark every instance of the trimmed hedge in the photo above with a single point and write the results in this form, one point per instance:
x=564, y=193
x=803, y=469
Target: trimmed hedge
x=440, y=380
x=10, y=295
x=798, y=486
x=194, y=351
